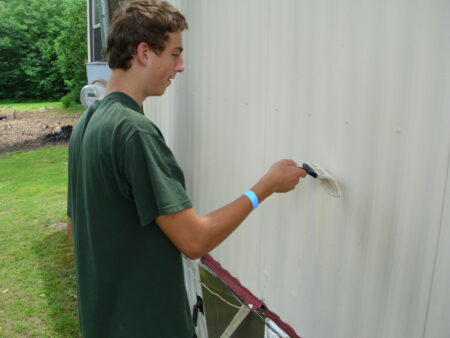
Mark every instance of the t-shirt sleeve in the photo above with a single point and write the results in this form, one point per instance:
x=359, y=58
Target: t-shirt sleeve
x=154, y=176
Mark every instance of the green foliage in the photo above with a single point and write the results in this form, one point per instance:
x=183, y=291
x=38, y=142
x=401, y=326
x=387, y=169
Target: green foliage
x=31, y=48
x=37, y=284
x=71, y=98
x=71, y=48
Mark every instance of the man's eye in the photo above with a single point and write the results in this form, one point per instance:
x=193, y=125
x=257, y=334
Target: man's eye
x=176, y=55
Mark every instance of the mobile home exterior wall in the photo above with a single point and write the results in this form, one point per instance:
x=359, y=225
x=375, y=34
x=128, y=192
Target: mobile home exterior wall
x=359, y=87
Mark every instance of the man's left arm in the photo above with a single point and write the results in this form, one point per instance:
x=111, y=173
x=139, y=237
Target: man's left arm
x=69, y=228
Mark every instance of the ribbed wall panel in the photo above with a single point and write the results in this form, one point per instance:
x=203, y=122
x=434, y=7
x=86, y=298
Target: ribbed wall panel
x=359, y=87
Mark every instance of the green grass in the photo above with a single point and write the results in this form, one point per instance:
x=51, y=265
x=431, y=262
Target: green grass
x=22, y=106
x=30, y=105
x=37, y=278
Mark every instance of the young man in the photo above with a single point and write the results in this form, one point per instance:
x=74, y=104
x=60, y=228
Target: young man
x=130, y=213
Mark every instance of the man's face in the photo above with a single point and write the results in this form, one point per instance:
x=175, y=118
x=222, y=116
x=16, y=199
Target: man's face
x=164, y=67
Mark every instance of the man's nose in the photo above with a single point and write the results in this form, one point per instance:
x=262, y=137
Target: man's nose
x=180, y=66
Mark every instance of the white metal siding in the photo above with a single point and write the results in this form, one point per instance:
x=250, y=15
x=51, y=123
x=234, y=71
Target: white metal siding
x=438, y=324
x=360, y=87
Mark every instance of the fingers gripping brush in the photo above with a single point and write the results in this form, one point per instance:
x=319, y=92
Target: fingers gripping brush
x=327, y=181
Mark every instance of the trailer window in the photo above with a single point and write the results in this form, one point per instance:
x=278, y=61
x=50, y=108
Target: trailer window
x=112, y=6
x=97, y=14
x=100, y=15
x=98, y=26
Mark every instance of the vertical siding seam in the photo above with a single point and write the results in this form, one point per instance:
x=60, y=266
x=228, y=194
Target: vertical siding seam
x=264, y=135
x=433, y=273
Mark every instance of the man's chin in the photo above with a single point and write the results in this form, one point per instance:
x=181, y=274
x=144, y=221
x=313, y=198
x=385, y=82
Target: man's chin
x=159, y=93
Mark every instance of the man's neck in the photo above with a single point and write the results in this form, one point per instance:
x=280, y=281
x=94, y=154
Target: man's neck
x=122, y=81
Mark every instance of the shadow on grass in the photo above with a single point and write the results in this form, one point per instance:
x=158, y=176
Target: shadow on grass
x=56, y=265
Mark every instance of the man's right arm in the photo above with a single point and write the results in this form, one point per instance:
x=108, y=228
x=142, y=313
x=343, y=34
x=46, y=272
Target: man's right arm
x=196, y=235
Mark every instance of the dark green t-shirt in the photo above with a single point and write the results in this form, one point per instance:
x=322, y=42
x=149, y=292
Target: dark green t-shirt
x=121, y=176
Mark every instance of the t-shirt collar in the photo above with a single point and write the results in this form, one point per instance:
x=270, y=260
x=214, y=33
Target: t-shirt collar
x=124, y=99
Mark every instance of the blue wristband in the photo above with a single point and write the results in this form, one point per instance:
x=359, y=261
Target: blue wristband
x=253, y=198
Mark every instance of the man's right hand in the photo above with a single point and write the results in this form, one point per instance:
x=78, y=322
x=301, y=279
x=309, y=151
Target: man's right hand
x=284, y=175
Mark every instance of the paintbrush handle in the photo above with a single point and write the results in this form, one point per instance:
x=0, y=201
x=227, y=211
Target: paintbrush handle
x=309, y=170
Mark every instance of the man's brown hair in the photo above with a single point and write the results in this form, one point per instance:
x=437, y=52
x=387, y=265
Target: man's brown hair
x=138, y=21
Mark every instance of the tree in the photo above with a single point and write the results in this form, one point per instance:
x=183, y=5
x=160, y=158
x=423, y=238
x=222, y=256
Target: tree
x=71, y=48
x=32, y=63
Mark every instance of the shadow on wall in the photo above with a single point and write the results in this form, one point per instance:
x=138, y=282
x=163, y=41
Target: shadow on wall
x=57, y=268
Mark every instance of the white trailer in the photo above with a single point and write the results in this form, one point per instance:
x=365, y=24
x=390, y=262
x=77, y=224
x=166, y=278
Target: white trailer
x=359, y=87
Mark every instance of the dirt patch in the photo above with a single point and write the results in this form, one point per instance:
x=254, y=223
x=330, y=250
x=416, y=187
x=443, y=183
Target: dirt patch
x=59, y=226
x=27, y=130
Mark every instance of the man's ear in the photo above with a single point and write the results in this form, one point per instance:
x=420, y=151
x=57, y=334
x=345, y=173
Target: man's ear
x=143, y=53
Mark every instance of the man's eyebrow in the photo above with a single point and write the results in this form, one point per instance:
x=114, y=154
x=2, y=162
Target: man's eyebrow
x=180, y=49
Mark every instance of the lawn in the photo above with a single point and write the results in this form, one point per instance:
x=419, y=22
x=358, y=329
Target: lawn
x=21, y=106
x=37, y=278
